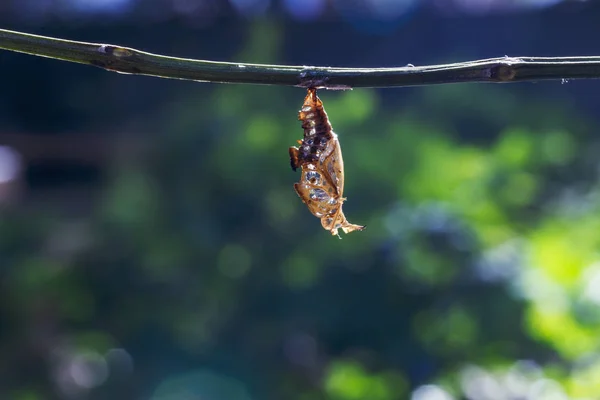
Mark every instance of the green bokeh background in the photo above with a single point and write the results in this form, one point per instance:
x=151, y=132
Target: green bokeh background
x=195, y=272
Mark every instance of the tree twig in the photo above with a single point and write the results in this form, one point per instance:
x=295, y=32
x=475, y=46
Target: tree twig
x=130, y=61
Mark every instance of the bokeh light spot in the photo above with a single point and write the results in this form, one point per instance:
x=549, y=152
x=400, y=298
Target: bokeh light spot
x=234, y=261
x=261, y=132
x=477, y=383
x=304, y=10
x=10, y=164
x=88, y=369
x=250, y=8
x=430, y=392
x=390, y=9
x=301, y=349
x=94, y=6
x=119, y=362
x=349, y=381
x=558, y=147
x=300, y=272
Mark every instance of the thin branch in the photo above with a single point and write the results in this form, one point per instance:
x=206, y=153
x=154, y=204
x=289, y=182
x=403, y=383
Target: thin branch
x=130, y=61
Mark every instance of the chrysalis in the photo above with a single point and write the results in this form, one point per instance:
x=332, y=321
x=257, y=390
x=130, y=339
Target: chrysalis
x=321, y=185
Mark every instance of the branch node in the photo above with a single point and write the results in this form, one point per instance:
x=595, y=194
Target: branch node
x=114, y=58
x=503, y=73
x=115, y=51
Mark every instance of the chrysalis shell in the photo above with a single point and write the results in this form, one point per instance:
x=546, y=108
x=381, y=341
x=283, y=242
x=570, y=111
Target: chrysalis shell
x=321, y=185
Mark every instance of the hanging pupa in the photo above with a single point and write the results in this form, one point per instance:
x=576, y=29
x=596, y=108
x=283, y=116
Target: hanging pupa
x=319, y=156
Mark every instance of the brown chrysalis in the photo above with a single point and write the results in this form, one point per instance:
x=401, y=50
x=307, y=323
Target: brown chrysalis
x=321, y=185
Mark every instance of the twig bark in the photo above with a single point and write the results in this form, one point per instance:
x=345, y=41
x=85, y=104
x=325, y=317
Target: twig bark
x=130, y=61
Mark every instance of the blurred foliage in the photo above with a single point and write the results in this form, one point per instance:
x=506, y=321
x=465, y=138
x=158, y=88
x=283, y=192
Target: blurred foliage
x=200, y=274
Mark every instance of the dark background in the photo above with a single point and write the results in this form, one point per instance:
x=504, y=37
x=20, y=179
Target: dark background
x=152, y=246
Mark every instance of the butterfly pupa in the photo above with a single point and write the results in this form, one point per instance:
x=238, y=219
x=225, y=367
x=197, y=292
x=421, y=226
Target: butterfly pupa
x=319, y=156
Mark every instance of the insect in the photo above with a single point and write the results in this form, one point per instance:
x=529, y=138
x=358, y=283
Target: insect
x=319, y=156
